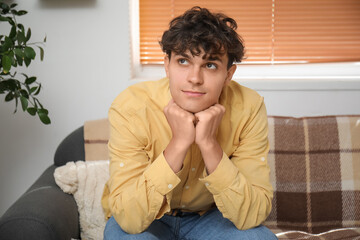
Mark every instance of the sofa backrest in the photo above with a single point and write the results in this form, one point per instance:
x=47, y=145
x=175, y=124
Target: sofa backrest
x=315, y=172
x=71, y=149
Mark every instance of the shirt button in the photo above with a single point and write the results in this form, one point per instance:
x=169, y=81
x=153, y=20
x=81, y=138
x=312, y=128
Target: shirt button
x=170, y=186
x=193, y=169
x=121, y=164
x=187, y=187
x=262, y=159
x=207, y=184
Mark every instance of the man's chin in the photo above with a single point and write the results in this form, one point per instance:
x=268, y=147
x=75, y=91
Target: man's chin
x=194, y=109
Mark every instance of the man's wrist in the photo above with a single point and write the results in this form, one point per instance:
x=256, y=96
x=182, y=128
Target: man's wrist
x=206, y=145
x=175, y=154
x=212, y=154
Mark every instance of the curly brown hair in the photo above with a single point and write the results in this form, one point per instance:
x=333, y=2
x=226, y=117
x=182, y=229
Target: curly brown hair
x=199, y=29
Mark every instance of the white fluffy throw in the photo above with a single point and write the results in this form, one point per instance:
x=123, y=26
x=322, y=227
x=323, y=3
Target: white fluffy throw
x=86, y=180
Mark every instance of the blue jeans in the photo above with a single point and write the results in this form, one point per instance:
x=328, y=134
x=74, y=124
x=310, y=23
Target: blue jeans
x=212, y=225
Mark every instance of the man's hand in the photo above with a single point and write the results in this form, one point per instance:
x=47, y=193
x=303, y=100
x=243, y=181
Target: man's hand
x=208, y=122
x=182, y=124
x=188, y=128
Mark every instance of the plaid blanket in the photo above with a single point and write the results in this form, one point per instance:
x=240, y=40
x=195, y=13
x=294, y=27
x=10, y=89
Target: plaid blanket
x=315, y=163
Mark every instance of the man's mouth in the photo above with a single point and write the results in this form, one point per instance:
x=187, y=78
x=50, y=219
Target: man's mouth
x=191, y=93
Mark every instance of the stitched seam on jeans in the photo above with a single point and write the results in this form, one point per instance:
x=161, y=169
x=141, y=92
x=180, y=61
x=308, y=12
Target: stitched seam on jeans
x=177, y=227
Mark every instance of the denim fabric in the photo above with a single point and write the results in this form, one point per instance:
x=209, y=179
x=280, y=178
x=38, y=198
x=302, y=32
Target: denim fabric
x=211, y=225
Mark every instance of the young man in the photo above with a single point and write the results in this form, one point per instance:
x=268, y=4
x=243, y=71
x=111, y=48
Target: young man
x=189, y=152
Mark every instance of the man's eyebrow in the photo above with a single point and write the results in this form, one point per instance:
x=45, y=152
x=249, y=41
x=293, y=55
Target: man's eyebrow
x=213, y=58
x=182, y=54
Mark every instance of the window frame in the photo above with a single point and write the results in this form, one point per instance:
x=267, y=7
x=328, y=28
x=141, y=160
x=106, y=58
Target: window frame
x=273, y=77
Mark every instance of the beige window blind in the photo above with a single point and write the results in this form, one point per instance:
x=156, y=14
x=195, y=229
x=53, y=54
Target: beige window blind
x=274, y=31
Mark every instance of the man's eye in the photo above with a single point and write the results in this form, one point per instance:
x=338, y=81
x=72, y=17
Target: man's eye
x=182, y=61
x=211, y=66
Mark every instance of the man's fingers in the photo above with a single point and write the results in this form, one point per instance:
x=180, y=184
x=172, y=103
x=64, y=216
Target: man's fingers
x=196, y=120
x=211, y=112
x=172, y=109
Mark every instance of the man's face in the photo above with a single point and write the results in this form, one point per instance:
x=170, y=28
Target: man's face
x=196, y=82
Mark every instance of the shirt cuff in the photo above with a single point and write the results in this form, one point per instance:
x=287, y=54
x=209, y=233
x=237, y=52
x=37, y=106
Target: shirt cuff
x=161, y=175
x=222, y=177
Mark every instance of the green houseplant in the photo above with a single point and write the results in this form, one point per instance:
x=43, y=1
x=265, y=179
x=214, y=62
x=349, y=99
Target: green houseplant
x=16, y=50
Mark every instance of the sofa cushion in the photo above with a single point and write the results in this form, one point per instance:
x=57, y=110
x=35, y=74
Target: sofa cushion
x=315, y=172
x=96, y=137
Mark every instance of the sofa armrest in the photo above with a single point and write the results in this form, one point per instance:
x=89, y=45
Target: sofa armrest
x=44, y=211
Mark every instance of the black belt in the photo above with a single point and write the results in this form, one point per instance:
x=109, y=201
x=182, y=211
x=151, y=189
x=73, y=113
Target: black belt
x=180, y=213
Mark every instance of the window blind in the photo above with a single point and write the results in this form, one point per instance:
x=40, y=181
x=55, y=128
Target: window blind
x=274, y=31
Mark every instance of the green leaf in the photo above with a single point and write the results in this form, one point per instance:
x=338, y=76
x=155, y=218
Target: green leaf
x=12, y=57
x=33, y=89
x=38, y=91
x=41, y=53
x=28, y=34
x=6, y=62
x=19, y=60
x=14, y=62
x=2, y=87
x=21, y=28
x=31, y=111
x=43, y=111
x=43, y=115
x=30, y=80
x=27, y=61
x=45, y=39
x=9, y=97
x=13, y=11
x=4, y=7
x=24, y=93
x=22, y=12
x=29, y=52
x=21, y=37
x=4, y=19
x=11, y=84
x=12, y=32
x=13, y=5
x=18, y=52
x=24, y=103
x=8, y=43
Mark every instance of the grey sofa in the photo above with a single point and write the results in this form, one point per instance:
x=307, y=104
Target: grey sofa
x=314, y=164
x=44, y=211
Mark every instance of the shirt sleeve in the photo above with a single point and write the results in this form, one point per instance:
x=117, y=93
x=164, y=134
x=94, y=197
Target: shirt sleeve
x=244, y=193
x=140, y=188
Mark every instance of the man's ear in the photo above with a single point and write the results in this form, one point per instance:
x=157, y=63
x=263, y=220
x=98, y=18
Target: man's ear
x=230, y=73
x=166, y=65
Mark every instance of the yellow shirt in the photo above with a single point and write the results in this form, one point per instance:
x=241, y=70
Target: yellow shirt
x=142, y=186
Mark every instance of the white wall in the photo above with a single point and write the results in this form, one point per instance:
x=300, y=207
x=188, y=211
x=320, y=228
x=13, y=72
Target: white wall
x=86, y=65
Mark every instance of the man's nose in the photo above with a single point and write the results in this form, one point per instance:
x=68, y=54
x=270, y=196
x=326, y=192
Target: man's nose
x=195, y=76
